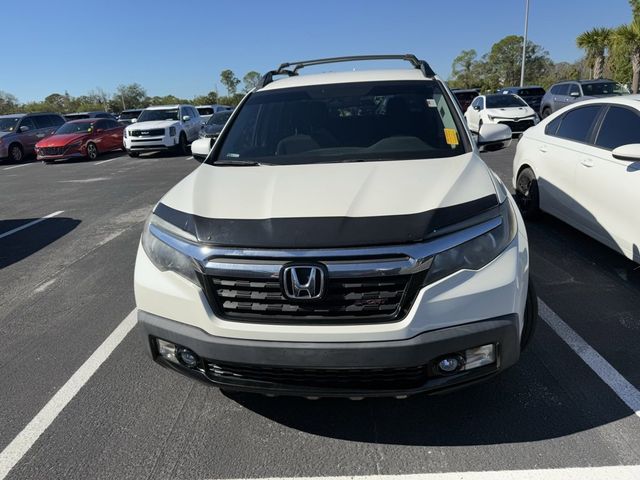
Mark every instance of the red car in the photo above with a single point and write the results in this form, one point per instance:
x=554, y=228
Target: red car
x=81, y=138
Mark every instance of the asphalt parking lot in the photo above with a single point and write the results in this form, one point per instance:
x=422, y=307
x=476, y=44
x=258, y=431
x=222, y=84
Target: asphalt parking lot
x=67, y=285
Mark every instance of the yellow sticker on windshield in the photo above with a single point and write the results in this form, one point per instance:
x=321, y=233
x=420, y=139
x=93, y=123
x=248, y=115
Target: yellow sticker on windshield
x=451, y=136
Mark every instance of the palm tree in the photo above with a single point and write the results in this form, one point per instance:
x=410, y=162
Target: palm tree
x=630, y=35
x=595, y=42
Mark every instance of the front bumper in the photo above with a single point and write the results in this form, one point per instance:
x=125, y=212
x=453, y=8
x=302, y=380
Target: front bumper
x=78, y=152
x=280, y=368
x=155, y=143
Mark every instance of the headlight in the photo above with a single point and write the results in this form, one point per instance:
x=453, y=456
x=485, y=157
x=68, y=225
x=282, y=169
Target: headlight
x=478, y=252
x=162, y=255
x=172, y=131
x=125, y=133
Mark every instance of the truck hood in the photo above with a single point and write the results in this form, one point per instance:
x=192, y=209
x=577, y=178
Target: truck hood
x=329, y=205
x=153, y=124
x=511, y=112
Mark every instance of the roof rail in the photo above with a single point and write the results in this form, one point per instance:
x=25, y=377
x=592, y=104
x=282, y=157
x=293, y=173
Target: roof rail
x=283, y=69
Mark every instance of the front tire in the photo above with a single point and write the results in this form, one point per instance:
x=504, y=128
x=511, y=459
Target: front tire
x=16, y=154
x=530, y=317
x=527, y=194
x=181, y=148
x=545, y=112
x=133, y=154
x=92, y=151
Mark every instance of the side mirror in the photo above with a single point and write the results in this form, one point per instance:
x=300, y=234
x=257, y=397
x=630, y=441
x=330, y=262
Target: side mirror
x=134, y=120
x=628, y=153
x=23, y=128
x=186, y=118
x=574, y=94
x=494, y=137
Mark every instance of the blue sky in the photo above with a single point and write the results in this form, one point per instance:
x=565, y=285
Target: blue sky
x=179, y=47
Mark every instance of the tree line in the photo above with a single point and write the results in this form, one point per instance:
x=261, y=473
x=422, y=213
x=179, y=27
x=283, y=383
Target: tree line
x=132, y=95
x=609, y=52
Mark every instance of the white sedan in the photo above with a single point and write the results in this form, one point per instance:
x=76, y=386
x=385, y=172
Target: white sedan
x=505, y=109
x=582, y=165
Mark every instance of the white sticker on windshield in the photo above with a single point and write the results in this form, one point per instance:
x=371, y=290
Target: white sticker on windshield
x=431, y=102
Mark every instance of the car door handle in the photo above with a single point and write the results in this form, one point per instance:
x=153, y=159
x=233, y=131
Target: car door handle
x=587, y=162
x=543, y=149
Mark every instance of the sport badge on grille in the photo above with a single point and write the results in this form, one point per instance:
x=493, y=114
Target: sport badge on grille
x=303, y=282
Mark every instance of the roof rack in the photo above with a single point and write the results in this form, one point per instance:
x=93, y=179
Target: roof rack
x=284, y=69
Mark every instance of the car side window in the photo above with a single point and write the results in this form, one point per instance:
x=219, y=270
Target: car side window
x=101, y=125
x=574, y=89
x=112, y=123
x=562, y=89
x=27, y=122
x=481, y=103
x=621, y=126
x=552, y=127
x=194, y=112
x=475, y=102
x=577, y=124
x=41, y=121
x=55, y=120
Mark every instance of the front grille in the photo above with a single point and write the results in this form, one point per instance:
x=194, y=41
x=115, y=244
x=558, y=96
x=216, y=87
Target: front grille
x=154, y=132
x=352, y=379
x=520, y=126
x=52, y=150
x=357, y=300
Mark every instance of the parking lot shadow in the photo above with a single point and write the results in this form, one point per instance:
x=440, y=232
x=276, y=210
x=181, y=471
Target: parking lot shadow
x=523, y=404
x=24, y=243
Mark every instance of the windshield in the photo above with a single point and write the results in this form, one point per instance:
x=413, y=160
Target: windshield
x=343, y=122
x=129, y=115
x=8, y=124
x=504, y=101
x=604, y=88
x=73, y=127
x=76, y=116
x=219, y=118
x=531, y=92
x=152, y=115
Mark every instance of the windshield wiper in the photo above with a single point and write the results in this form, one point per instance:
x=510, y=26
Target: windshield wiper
x=238, y=163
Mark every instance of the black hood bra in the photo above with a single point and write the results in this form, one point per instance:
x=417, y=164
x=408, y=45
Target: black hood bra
x=325, y=232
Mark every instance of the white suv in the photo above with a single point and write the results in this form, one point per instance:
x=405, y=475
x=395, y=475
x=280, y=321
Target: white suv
x=163, y=127
x=343, y=238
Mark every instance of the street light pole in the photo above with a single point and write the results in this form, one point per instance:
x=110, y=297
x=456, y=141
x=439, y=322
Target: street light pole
x=524, y=45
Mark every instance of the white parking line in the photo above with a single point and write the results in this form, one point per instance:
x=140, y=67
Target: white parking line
x=27, y=225
x=17, y=166
x=609, y=375
x=37, y=426
x=107, y=161
x=631, y=472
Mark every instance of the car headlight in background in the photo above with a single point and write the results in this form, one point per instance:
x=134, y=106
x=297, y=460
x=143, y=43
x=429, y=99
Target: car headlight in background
x=476, y=253
x=162, y=255
x=125, y=133
x=172, y=131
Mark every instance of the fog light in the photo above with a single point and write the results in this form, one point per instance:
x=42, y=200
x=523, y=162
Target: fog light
x=480, y=356
x=167, y=350
x=451, y=364
x=187, y=358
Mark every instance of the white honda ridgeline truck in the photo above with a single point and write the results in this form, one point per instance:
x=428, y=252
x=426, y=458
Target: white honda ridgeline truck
x=342, y=238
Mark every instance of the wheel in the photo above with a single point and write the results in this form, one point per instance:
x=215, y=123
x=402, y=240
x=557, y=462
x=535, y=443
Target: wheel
x=134, y=154
x=530, y=317
x=181, y=148
x=545, y=112
x=92, y=151
x=527, y=194
x=16, y=154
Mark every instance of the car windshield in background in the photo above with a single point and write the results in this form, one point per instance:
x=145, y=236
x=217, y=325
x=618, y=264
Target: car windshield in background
x=129, y=115
x=8, y=124
x=343, y=122
x=153, y=115
x=604, y=88
x=80, y=127
x=504, y=101
x=205, y=111
x=531, y=92
x=219, y=118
